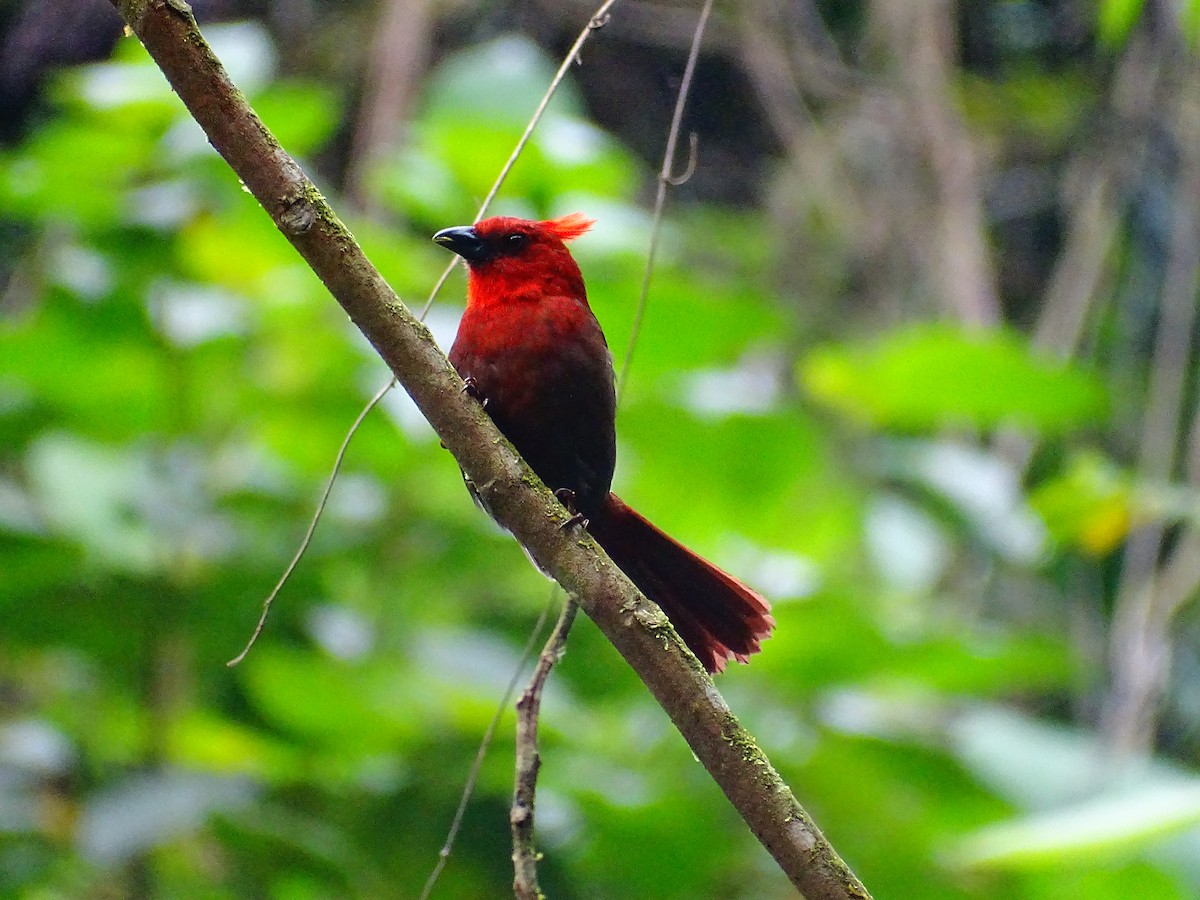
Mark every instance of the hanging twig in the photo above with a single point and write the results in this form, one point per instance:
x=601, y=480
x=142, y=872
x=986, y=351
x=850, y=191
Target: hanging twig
x=660, y=198
x=312, y=525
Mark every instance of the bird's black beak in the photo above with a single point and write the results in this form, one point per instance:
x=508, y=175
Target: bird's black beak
x=464, y=241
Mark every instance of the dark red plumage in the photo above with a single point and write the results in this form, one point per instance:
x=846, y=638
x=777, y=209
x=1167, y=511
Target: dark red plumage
x=531, y=348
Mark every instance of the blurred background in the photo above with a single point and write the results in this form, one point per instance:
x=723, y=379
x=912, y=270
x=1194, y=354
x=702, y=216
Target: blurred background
x=918, y=363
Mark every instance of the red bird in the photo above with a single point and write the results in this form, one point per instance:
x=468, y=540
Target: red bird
x=530, y=348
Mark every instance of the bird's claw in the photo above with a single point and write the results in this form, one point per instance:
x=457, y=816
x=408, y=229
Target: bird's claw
x=576, y=519
x=566, y=497
x=472, y=389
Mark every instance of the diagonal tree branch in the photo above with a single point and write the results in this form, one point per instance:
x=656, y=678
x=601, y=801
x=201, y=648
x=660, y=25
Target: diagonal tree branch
x=516, y=497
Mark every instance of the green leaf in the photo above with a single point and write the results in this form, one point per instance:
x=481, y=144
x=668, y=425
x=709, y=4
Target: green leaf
x=328, y=701
x=1088, y=833
x=931, y=377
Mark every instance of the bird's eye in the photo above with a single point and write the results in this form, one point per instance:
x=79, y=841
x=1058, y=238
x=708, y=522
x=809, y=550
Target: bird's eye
x=517, y=241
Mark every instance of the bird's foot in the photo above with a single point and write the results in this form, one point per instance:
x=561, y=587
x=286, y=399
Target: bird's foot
x=472, y=389
x=576, y=519
x=566, y=497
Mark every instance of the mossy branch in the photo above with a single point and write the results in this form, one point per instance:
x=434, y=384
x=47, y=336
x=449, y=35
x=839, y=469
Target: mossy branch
x=514, y=495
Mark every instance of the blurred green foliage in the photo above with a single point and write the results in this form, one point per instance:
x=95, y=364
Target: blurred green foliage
x=174, y=384
x=936, y=376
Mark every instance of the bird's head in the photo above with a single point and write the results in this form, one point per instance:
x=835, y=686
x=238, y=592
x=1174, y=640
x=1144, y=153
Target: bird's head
x=511, y=258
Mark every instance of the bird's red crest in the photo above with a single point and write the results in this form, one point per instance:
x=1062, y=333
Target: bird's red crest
x=568, y=227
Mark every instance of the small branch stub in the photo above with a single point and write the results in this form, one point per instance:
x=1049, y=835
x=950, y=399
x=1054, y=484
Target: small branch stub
x=529, y=760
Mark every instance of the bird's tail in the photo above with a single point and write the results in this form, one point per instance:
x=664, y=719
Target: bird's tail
x=717, y=616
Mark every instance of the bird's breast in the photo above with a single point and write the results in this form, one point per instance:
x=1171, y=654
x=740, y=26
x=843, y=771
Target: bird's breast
x=545, y=374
